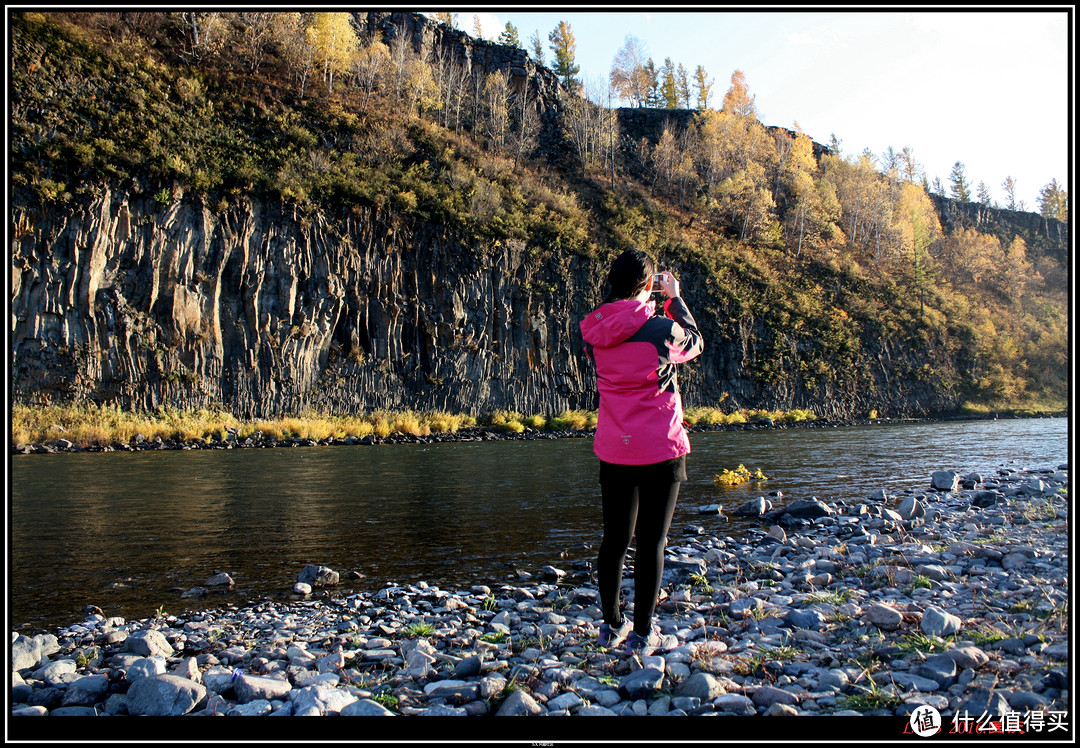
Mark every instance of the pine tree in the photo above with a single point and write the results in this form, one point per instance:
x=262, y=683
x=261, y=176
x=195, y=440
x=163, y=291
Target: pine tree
x=1054, y=202
x=669, y=96
x=984, y=195
x=1009, y=185
x=564, y=46
x=703, y=86
x=682, y=86
x=961, y=189
x=509, y=36
x=477, y=29
x=537, y=47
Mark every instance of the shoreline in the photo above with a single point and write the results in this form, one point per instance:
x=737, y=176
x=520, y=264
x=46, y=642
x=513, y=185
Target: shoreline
x=474, y=434
x=950, y=596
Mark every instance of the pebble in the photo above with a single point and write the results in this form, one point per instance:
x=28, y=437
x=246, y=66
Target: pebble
x=870, y=607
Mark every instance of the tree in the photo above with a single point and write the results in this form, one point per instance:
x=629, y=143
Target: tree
x=565, y=47
x=477, y=29
x=652, y=85
x=1054, y=202
x=256, y=33
x=509, y=36
x=961, y=189
x=984, y=195
x=682, y=87
x=450, y=19
x=299, y=54
x=738, y=100
x=496, y=123
x=669, y=96
x=526, y=123
x=628, y=76
x=1009, y=185
x=703, y=87
x=537, y=47
x=334, y=40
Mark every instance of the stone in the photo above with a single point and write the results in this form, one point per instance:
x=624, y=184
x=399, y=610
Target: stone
x=701, y=686
x=86, y=691
x=221, y=579
x=641, y=683
x=967, y=656
x=317, y=701
x=519, y=704
x=884, y=616
x=365, y=708
x=768, y=695
x=148, y=643
x=735, y=703
x=751, y=508
x=318, y=576
x=25, y=653
x=937, y=622
x=944, y=480
x=250, y=687
x=939, y=668
x=984, y=701
x=911, y=508
x=806, y=509
x=144, y=667
x=163, y=696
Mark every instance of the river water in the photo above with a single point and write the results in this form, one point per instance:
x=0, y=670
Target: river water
x=126, y=531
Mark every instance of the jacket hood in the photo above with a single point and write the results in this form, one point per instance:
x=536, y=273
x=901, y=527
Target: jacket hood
x=613, y=323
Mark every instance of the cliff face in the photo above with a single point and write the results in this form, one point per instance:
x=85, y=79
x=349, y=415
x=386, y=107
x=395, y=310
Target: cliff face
x=269, y=312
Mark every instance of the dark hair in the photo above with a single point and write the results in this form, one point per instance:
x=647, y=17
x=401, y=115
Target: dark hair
x=629, y=274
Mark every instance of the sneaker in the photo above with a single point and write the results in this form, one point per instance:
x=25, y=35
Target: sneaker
x=606, y=636
x=636, y=644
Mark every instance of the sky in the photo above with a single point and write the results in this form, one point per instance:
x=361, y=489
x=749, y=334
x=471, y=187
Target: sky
x=986, y=87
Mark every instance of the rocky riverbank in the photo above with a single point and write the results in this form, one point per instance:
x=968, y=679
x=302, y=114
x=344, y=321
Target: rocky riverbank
x=955, y=597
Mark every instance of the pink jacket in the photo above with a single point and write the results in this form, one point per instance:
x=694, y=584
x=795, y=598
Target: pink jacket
x=640, y=418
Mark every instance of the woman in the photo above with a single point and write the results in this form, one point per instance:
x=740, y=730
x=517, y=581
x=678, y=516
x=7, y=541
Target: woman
x=640, y=438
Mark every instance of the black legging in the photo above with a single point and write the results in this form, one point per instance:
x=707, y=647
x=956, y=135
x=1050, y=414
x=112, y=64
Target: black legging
x=638, y=500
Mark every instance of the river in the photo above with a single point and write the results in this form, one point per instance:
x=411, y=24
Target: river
x=127, y=531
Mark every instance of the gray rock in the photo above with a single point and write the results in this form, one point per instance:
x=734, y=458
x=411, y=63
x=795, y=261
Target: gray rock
x=735, y=703
x=641, y=683
x=468, y=667
x=984, y=701
x=53, y=673
x=768, y=695
x=221, y=579
x=74, y=711
x=884, y=616
x=967, y=656
x=163, y=696
x=86, y=691
x=805, y=619
x=320, y=700
x=30, y=711
x=318, y=576
x=365, y=708
x=250, y=687
x=945, y=480
x=911, y=508
x=939, y=668
x=595, y=711
x=702, y=686
x=25, y=653
x=751, y=508
x=1024, y=701
x=519, y=704
x=144, y=667
x=148, y=643
x=806, y=509
x=937, y=622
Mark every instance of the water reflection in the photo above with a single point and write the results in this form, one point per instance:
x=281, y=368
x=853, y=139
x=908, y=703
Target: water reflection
x=128, y=531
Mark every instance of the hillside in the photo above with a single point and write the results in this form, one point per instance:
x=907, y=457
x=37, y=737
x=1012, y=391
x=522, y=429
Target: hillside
x=208, y=210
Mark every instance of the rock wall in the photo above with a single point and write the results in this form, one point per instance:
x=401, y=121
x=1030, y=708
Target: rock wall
x=267, y=312
x=271, y=312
